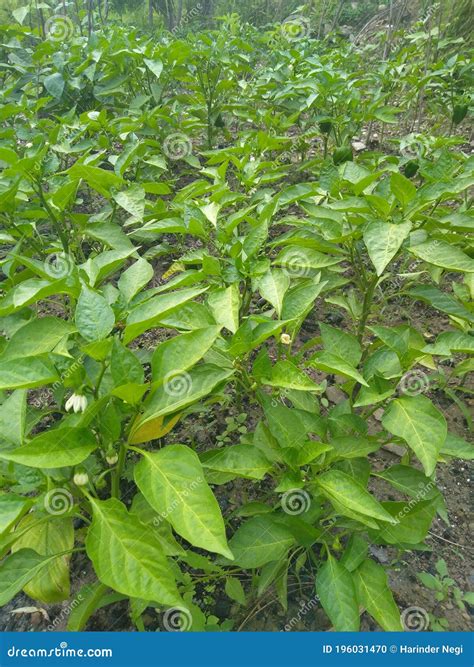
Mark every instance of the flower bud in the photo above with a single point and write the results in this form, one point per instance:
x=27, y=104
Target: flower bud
x=285, y=339
x=80, y=478
x=111, y=458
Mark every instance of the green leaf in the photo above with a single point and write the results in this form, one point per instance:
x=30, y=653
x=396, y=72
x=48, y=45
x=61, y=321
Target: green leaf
x=402, y=188
x=17, y=570
x=54, y=449
x=100, y=180
x=172, y=481
x=95, y=319
x=413, y=521
x=134, y=278
x=48, y=538
x=26, y=373
x=178, y=354
x=182, y=390
x=297, y=259
x=155, y=66
x=273, y=286
x=445, y=255
x=421, y=425
x=383, y=241
x=234, y=590
x=240, y=460
x=20, y=14
x=337, y=594
x=441, y=301
x=13, y=417
x=348, y=493
x=457, y=447
x=132, y=201
x=37, y=337
x=375, y=595
x=332, y=363
x=260, y=540
x=224, y=304
x=149, y=314
x=54, y=84
x=341, y=344
x=12, y=507
x=125, y=368
x=287, y=375
x=127, y=557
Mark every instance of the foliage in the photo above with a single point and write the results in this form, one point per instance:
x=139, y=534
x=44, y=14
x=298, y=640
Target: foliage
x=184, y=221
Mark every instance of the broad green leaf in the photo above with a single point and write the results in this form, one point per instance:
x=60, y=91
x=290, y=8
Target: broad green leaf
x=234, y=590
x=26, y=373
x=172, y=481
x=445, y=255
x=297, y=259
x=420, y=424
x=104, y=264
x=182, y=390
x=337, y=594
x=54, y=84
x=383, y=241
x=155, y=66
x=239, y=460
x=355, y=552
x=332, y=363
x=17, y=570
x=341, y=344
x=273, y=286
x=101, y=180
x=21, y=13
x=287, y=375
x=402, y=188
x=260, y=540
x=413, y=521
x=374, y=594
x=124, y=365
x=134, y=278
x=224, y=304
x=152, y=312
x=48, y=538
x=12, y=507
x=133, y=201
x=94, y=317
x=441, y=301
x=457, y=447
x=127, y=557
x=347, y=492
x=178, y=354
x=54, y=449
x=37, y=337
x=13, y=417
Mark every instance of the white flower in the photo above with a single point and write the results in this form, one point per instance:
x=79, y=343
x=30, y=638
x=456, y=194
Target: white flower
x=285, y=339
x=76, y=402
x=81, y=478
x=111, y=458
